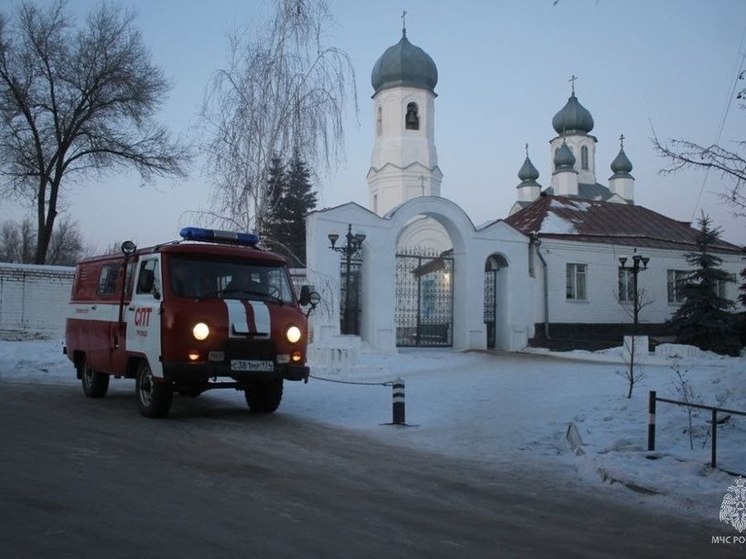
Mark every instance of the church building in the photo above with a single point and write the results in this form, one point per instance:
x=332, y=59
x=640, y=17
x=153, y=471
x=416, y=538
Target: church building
x=559, y=270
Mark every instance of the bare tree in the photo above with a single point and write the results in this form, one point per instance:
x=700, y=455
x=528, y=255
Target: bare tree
x=632, y=374
x=66, y=244
x=18, y=243
x=729, y=162
x=77, y=101
x=282, y=90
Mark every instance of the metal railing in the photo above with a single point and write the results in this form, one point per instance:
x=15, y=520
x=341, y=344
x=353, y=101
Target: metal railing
x=651, y=420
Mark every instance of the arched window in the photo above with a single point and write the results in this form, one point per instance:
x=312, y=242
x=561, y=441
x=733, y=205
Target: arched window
x=412, y=120
x=379, y=122
x=584, y=158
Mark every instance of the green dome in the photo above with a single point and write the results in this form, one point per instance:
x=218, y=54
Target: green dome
x=528, y=172
x=404, y=65
x=564, y=160
x=573, y=117
x=621, y=165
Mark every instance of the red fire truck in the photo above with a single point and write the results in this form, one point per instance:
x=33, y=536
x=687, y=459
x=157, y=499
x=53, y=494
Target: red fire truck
x=209, y=311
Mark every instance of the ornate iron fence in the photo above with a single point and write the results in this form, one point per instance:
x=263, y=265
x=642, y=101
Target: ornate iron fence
x=424, y=298
x=349, y=320
x=490, y=304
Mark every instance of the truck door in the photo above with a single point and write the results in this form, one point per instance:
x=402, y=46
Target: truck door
x=119, y=341
x=143, y=315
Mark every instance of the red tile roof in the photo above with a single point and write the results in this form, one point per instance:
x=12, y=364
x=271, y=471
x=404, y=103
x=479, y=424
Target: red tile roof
x=595, y=221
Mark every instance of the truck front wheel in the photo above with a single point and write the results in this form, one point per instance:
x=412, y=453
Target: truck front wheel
x=153, y=397
x=95, y=384
x=264, y=397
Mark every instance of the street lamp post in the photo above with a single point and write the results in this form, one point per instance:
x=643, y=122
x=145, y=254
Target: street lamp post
x=639, y=263
x=348, y=250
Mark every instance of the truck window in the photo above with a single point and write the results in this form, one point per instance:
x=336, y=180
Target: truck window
x=202, y=277
x=147, y=279
x=107, y=279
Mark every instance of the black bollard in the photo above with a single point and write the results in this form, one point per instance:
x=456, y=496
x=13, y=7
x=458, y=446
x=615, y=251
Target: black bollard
x=651, y=420
x=398, y=393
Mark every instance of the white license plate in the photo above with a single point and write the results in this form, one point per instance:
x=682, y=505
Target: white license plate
x=252, y=365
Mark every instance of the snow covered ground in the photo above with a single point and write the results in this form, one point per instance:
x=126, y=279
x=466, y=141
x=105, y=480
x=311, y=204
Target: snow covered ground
x=510, y=410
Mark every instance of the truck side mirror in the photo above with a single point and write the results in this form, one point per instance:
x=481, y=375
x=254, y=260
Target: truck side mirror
x=309, y=297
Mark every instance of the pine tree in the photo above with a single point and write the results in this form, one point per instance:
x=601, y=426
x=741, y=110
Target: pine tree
x=291, y=198
x=298, y=199
x=269, y=223
x=703, y=319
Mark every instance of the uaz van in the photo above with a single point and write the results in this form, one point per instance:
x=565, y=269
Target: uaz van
x=208, y=311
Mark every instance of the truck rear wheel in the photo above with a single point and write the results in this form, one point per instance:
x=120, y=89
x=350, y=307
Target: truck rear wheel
x=153, y=397
x=264, y=397
x=95, y=384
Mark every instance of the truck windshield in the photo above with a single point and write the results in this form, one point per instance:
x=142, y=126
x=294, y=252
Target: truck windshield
x=205, y=278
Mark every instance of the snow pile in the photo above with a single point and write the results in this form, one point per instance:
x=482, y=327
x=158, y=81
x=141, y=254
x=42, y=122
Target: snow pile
x=513, y=410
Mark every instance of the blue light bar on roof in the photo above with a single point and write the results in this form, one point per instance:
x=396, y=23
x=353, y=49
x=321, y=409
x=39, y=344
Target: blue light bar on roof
x=217, y=236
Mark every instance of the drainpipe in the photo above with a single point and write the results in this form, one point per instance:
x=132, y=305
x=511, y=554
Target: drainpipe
x=537, y=243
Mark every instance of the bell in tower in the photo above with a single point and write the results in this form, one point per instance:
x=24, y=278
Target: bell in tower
x=412, y=120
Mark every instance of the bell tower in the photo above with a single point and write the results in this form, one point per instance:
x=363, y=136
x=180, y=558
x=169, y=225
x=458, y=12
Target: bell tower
x=404, y=163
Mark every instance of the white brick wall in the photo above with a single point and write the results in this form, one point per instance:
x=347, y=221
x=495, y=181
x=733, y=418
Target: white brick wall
x=34, y=298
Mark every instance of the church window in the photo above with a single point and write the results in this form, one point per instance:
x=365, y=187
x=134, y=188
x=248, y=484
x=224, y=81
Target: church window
x=412, y=120
x=584, y=158
x=677, y=279
x=379, y=122
x=576, y=280
x=626, y=286
x=721, y=286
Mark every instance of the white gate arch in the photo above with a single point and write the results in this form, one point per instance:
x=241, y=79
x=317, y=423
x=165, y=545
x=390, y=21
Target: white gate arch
x=471, y=247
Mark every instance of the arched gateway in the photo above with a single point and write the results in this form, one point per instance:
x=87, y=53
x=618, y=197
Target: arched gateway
x=473, y=250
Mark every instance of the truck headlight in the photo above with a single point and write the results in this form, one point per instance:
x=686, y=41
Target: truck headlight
x=200, y=331
x=293, y=334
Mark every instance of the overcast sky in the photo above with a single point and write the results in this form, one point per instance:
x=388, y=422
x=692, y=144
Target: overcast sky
x=667, y=67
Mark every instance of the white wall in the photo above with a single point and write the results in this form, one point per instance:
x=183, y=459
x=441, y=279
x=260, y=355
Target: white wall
x=471, y=249
x=602, y=304
x=34, y=298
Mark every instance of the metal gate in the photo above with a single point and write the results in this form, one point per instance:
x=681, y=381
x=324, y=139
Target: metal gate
x=349, y=306
x=490, y=304
x=424, y=298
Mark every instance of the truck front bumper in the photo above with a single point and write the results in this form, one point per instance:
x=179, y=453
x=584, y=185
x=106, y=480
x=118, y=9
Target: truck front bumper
x=187, y=372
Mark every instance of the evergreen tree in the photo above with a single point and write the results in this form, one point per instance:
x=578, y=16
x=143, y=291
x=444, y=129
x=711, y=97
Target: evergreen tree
x=291, y=195
x=300, y=198
x=268, y=223
x=703, y=319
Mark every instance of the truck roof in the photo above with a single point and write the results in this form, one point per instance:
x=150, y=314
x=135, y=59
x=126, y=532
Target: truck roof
x=198, y=248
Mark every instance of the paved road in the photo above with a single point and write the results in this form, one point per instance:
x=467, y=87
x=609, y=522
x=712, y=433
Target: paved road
x=91, y=478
